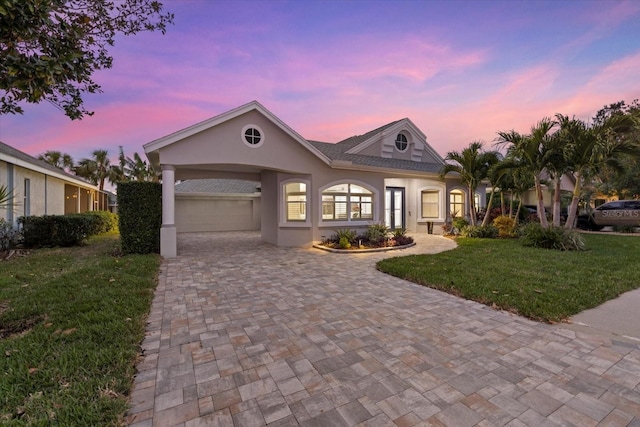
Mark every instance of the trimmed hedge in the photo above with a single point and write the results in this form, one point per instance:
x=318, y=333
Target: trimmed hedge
x=64, y=230
x=140, y=216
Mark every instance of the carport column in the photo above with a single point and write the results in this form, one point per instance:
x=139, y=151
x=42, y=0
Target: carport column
x=168, y=240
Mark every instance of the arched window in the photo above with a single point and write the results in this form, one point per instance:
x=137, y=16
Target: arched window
x=456, y=204
x=401, y=142
x=347, y=202
x=296, y=201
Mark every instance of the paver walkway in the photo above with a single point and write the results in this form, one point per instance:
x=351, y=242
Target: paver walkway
x=248, y=334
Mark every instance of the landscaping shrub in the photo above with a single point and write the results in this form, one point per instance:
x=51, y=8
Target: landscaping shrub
x=344, y=243
x=377, y=234
x=505, y=226
x=480, y=231
x=559, y=238
x=9, y=235
x=346, y=234
x=459, y=223
x=55, y=230
x=140, y=216
x=401, y=238
x=102, y=221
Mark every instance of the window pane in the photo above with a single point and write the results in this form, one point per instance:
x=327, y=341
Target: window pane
x=359, y=189
x=296, y=200
x=430, y=204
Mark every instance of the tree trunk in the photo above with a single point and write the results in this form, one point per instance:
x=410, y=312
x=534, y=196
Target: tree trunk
x=556, y=201
x=503, y=206
x=472, y=206
x=541, y=212
x=485, y=220
x=510, y=206
x=573, y=208
x=517, y=216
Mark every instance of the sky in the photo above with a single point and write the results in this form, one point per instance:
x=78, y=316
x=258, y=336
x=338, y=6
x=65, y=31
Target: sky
x=459, y=70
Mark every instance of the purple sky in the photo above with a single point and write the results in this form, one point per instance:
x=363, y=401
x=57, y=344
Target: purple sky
x=460, y=70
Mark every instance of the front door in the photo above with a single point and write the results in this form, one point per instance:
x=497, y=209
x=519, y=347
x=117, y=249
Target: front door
x=394, y=208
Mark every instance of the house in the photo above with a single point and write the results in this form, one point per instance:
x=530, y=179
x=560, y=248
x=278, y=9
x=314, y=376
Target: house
x=308, y=188
x=41, y=189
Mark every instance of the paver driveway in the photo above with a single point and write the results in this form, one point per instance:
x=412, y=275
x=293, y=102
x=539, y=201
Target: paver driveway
x=245, y=333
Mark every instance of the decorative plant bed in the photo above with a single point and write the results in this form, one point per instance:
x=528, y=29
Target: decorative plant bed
x=357, y=250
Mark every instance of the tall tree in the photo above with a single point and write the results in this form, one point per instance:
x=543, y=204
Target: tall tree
x=472, y=164
x=49, y=49
x=531, y=151
x=60, y=160
x=593, y=149
x=97, y=169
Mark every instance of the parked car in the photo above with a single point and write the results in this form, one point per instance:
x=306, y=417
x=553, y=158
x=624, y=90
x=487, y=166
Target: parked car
x=619, y=212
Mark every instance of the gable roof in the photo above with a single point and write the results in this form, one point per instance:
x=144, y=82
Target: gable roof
x=12, y=155
x=346, y=151
x=343, y=154
x=151, y=148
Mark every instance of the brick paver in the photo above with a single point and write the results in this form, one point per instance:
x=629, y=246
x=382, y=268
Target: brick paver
x=242, y=333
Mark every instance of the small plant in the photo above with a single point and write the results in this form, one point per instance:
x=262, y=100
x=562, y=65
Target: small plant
x=559, y=238
x=377, y=233
x=480, y=231
x=505, y=226
x=447, y=229
x=344, y=243
x=9, y=236
x=401, y=238
x=347, y=234
x=459, y=223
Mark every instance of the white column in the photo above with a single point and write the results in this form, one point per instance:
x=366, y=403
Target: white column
x=168, y=238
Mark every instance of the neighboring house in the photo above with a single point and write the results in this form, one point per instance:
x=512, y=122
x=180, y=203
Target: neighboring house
x=41, y=189
x=309, y=188
x=567, y=184
x=217, y=205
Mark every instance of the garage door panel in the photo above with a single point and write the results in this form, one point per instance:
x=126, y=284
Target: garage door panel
x=200, y=214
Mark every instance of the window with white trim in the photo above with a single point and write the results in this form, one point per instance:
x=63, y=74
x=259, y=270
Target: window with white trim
x=401, y=142
x=347, y=202
x=296, y=201
x=430, y=204
x=456, y=203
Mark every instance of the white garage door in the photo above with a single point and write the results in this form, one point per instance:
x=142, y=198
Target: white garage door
x=215, y=214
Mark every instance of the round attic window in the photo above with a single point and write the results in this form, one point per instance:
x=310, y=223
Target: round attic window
x=252, y=136
x=401, y=142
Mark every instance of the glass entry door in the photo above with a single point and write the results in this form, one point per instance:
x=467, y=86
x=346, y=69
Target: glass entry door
x=394, y=207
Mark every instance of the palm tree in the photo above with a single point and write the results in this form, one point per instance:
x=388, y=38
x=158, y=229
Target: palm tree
x=472, y=164
x=57, y=159
x=6, y=196
x=533, y=153
x=496, y=176
x=593, y=148
x=139, y=170
x=96, y=169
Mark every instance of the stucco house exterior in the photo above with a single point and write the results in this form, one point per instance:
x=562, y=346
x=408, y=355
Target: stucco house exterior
x=310, y=188
x=41, y=189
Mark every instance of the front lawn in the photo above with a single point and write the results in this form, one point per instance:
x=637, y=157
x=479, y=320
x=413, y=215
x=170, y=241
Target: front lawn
x=71, y=320
x=541, y=284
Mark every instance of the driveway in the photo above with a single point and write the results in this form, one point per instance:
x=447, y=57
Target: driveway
x=242, y=333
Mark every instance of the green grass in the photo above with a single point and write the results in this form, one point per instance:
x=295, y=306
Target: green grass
x=71, y=320
x=541, y=284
